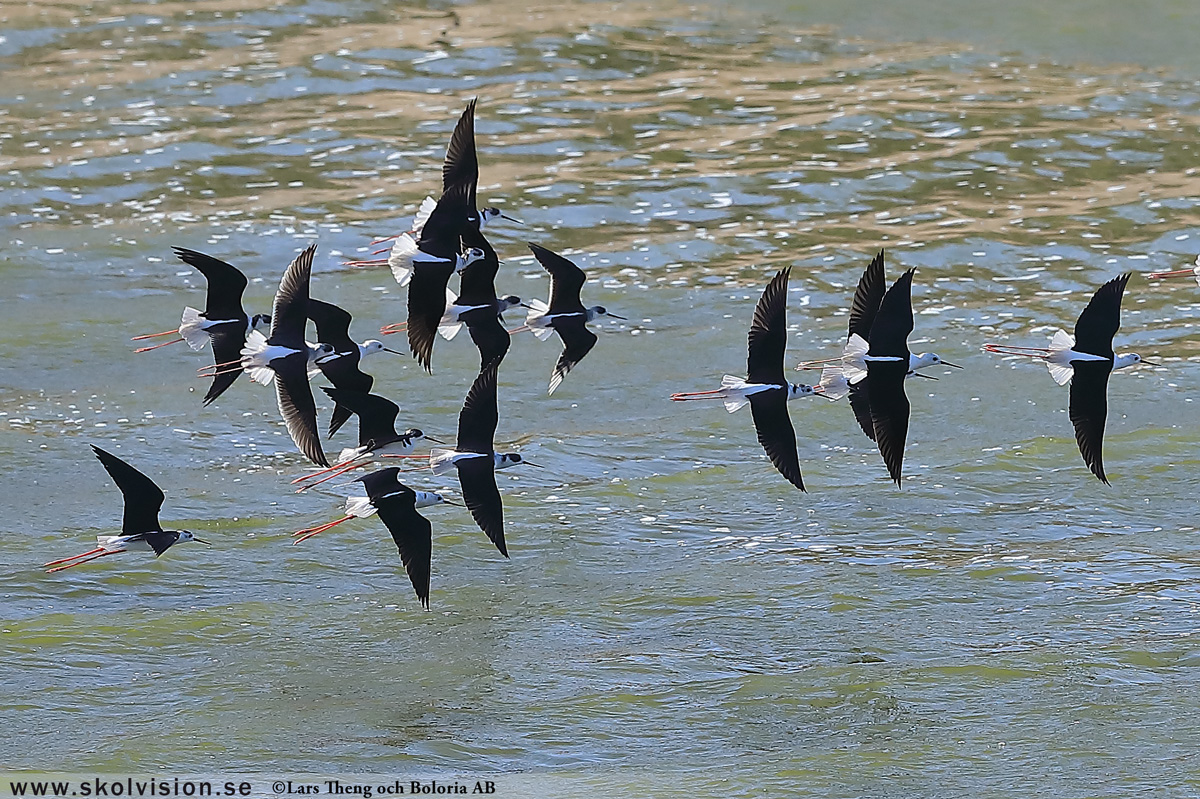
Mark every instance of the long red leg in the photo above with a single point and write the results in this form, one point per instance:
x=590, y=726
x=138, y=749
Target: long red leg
x=342, y=470
x=85, y=560
x=320, y=472
x=73, y=557
x=154, y=335
x=310, y=532
x=156, y=346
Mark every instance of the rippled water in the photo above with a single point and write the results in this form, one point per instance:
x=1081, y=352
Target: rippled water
x=673, y=613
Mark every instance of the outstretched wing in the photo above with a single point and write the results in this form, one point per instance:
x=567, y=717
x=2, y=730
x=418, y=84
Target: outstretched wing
x=461, y=168
x=413, y=535
x=1096, y=326
x=776, y=434
x=889, y=412
x=227, y=342
x=143, y=498
x=477, y=478
x=289, y=316
x=577, y=342
x=768, y=333
x=225, y=285
x=1088, y=410
x=566, y=280
x=296, y=405
x=333, y=324
x=867, y=297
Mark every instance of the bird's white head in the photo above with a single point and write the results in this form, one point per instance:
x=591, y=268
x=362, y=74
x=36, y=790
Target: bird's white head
x=1130, y=359
x=414, y=434
x=599, y=310
x=187, y=535
x=427, y=499
x=469, y=257
x=509, y=302
x=927, y=359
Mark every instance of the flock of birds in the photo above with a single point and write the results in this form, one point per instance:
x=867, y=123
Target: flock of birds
x=447, y=238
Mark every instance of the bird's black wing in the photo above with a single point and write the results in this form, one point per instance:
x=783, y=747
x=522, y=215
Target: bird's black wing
x=227, y=342
x=1099, y=321
x=894, y=321
x=768, y=333
x=461, y=167
x=860, y=403
x=161, y=542
x=225, y=285
x=376, y=414
x=577, y=342
x=1088, y=410
x=566, y=280
x=426, y=305
x=344, y=373
x=488, y=333
x=477, y=477
x=889, y=412
x=867, y=297
x=296, y=404
x=143, y=498
x=776, y=434
x=413, y=535
x=479, y=416
x=441, y=236
x=333, y=325
x=289, y=316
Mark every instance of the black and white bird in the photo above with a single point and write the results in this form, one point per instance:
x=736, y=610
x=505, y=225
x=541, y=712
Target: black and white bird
x=867, y=296
x=283, y=358
x=223, y=320
x=764, y=387
x=360, y=507
x=1086, y=360
x=475, y=457
x=376, y=433
x=341, y=367
x=140, y=528
x=564, y=314
x=396, y=504
x=887, y=363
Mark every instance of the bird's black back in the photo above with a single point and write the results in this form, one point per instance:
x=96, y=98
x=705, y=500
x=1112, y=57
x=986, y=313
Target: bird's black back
x=226, y=283
x=566, y=280
x=289, y=316
x=867, y=297
x=768, y=333
x=143, y=498
x=442, y=234
x=1099, y=321
x=894, y=321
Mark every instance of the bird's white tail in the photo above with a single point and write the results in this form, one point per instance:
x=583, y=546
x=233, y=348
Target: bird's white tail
x=253, y=360
x=191, y=331
x=1060, y=368
x=359, y=506
x=734, y=399
x=449, y=325
x=400, y=261
x=534, y=319
x=834, y=384
x=441, y=460
x=854, y=365
x=348, y=454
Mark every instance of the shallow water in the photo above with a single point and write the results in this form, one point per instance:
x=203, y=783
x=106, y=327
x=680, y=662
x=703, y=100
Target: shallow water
x=674, y=614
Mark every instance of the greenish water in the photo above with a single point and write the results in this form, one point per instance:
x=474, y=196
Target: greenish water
x=674, y=617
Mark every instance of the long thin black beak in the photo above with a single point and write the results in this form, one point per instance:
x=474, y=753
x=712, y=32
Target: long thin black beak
x=393, y=352
x=511, y=219
x=531, y=463
x=947, y=363
x=202, y=541
x=448, y=502
x=1150, y=363
x=525, y=305
x=927, y=377
x=434, y=440
x=614, y=316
